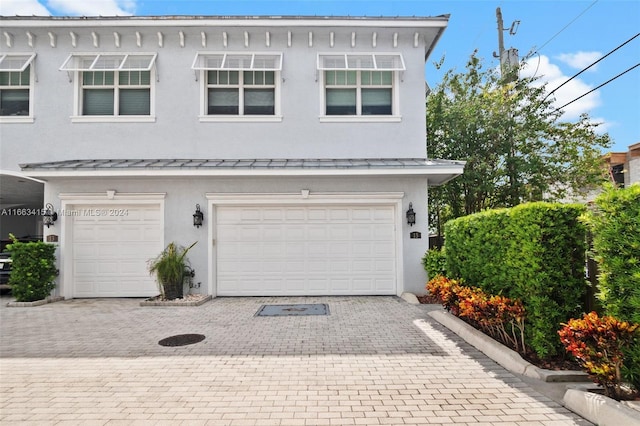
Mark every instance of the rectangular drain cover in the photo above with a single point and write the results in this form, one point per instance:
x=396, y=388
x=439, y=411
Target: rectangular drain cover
x=293, y=310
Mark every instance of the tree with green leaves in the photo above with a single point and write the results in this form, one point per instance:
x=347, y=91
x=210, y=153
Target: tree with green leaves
x=515, y=143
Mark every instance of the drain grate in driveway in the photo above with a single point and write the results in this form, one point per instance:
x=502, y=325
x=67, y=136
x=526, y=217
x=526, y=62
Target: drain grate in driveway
x=182, y=340
x=293, y=310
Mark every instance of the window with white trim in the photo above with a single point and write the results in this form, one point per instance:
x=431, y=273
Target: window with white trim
x=239, y=84
x=360, y=84
x=16, y=85
x=113, y=85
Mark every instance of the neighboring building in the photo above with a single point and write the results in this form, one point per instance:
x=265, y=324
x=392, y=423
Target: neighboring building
x=301, y=140
x=624, y=167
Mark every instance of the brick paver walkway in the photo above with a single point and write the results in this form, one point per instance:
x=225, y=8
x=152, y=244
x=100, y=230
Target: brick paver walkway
x=374, y=360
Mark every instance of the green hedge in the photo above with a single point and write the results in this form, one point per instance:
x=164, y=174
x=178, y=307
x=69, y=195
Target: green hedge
x=533, y=252
x=435, y=263
x=615, y=224
x=33, y=270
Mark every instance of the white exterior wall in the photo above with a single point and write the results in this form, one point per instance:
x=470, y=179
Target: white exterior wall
x=177, y=131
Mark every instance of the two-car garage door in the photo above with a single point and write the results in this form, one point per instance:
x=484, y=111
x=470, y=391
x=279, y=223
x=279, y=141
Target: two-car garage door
x=305, y=250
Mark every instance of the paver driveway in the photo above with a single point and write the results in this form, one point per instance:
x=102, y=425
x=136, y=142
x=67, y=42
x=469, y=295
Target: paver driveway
x=373, y=360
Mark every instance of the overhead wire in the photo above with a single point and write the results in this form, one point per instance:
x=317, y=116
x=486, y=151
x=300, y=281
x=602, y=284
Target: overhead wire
x=586, y=68
x=596, y=88
x=563, y=28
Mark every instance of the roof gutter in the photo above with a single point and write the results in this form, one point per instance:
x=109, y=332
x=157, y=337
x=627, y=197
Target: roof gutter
x=227, y=21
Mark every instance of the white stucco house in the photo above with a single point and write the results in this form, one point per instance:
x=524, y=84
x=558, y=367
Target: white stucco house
x=300, y=139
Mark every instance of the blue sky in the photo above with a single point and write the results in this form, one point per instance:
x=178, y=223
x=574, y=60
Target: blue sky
x=564, y=35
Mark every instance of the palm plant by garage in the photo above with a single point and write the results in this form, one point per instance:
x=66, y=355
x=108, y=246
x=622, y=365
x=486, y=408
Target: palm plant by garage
x=171, y=268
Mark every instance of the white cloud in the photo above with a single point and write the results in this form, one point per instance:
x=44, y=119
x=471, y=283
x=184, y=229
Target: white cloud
x=93, y=7
x=552, y=75
x=580, y=60
x=22, y=8
x=603, y=125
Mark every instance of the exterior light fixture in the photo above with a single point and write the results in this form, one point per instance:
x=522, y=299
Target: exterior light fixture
x=198, y=217
x=49, y=216
x=411, y=215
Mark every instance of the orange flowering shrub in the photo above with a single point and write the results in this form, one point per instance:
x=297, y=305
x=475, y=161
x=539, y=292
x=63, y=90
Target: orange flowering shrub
x=498, y=316
x=598, y=343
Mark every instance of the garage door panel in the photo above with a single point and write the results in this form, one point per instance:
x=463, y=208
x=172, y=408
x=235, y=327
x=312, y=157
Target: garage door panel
x=339, y=232
x=273, y=215
x=341, y=286
x=85, y=268
x=85, y=251
x=361, y=214
x=110, y=252
x=339, y=248
x=384, y=285
x=294, y=267
x=250, y=215
x=295, y=250
x=295, y=215
x=317, y=214
x=363, y=284
x=339, y=266
x=381, y=249
x=383, y=232
x=318, y=285
x=339, y=214
x=273, y=233
x=309, y=250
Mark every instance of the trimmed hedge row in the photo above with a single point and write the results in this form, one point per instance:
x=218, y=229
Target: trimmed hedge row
x=615, y=224
x=533, y=252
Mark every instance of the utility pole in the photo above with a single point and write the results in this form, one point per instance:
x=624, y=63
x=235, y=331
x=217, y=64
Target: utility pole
x=500, y=35
x=509, y=73
x=509, y=62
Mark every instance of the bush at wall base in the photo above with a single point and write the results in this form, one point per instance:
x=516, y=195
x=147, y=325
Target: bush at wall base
x=33, y=270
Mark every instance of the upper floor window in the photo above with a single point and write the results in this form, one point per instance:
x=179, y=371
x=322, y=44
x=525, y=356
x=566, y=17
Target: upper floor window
x=360, y=84
x=239, y=85
x=113, y=86
x=16, y=87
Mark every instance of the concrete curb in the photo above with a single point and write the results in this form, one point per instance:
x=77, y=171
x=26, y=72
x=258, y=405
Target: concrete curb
x=600, y=409
x=50, y=299
x=504, y=356
x=410, y=298
x=150, y=302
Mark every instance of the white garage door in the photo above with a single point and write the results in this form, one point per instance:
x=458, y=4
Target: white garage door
x=111, y=247
x=306, y=250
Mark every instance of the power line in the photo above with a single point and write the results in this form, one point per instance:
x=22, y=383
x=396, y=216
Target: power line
x=603, y=84
x=564, y=28
x=584, y=69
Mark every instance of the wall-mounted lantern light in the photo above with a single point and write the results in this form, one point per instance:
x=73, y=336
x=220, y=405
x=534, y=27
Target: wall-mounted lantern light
x=49, y=216
x=411, y=215
x=198, y=217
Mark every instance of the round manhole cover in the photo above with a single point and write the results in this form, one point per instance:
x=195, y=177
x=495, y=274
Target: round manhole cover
x=181, y=340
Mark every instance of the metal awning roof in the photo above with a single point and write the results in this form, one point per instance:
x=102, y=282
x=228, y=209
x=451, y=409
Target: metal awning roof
x=237, y=61
x=109, y=62
x=361, y=61
x=15, y=61
x=438, y=171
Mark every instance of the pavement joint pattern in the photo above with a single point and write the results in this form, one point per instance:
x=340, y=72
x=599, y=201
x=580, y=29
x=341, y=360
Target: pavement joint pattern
x=373, y=361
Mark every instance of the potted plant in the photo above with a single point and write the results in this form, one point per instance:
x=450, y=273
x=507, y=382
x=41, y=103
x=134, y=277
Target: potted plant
x=171, y=269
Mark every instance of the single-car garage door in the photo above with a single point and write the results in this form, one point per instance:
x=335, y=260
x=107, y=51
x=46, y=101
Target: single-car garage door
x=111, y=247
x=306, y=250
